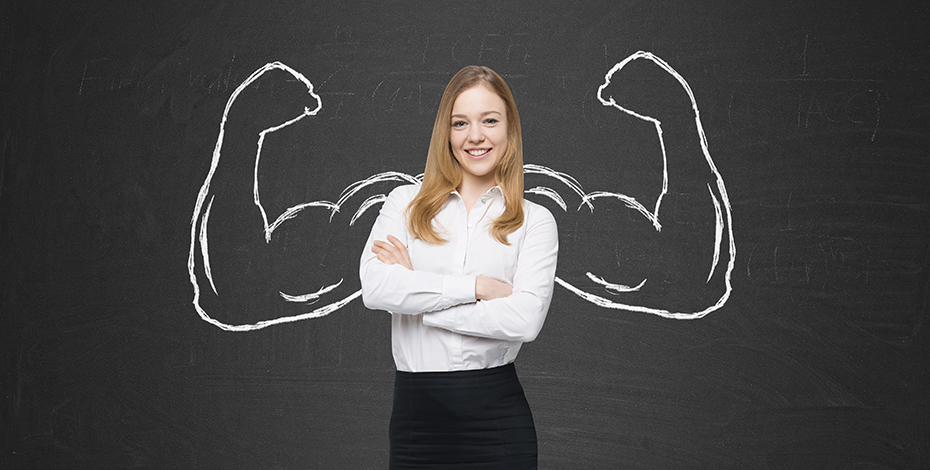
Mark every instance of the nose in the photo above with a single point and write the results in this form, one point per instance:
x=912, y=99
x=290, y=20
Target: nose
x=475, y=134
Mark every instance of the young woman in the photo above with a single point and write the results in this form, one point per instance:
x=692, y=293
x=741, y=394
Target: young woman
x=466, y=266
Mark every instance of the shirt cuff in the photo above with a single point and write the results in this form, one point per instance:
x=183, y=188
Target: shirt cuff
x=458, y=289
x=446, y=319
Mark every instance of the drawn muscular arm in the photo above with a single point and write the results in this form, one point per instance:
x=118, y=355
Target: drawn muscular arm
x=689, y=214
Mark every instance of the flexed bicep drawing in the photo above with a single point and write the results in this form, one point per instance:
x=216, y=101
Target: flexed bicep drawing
x=231, y=268
x=689, y=290
x=250, y=226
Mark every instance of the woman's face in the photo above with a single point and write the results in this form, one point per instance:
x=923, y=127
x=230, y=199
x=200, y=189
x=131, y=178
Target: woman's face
x=479, y=134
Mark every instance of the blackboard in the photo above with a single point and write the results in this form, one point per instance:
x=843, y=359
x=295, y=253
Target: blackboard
x=796, y=143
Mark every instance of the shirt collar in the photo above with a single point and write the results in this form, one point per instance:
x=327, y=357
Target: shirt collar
x=496, y=190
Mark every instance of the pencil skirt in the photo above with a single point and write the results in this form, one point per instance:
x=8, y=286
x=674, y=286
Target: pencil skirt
x=461, y=420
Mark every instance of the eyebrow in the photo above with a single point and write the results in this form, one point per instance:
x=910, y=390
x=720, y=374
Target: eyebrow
x=482, y=114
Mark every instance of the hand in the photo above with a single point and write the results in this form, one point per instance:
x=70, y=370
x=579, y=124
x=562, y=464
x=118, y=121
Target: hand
x=487, y=288
x=392, y=253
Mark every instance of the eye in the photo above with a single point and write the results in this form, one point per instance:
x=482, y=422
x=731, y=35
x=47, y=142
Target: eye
x=458, y=124
x=491, y=121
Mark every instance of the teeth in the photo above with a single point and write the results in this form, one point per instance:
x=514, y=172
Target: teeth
x=478, y=152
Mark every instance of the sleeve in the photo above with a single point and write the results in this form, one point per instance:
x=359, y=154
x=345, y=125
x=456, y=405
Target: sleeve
x=520, y=316
x=397, y=289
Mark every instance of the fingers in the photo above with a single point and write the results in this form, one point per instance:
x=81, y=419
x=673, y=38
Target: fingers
x=392, y=253
x=385, y=252
x=401, y=249
x=506, y=289
x=487, y=288
x=502, y=289
x=403, y=258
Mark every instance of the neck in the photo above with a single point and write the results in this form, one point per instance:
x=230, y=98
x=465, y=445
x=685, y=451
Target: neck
x=472, y=188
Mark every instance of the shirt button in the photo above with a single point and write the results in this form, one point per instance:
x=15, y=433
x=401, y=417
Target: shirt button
x=469, y=225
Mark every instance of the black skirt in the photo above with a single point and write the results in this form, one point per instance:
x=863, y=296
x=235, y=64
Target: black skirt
x=461, y=420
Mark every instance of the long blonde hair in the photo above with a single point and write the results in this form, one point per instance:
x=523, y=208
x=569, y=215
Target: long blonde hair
x=443, y=173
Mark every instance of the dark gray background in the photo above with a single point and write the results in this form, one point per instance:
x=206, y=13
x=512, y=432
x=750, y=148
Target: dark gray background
x=816, y=116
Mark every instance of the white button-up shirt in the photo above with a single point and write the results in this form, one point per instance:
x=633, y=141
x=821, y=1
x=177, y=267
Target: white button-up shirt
x=456, y=332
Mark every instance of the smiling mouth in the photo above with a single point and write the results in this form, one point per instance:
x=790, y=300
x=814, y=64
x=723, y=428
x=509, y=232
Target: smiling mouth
x=478, y=152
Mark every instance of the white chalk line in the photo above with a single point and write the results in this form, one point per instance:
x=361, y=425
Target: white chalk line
x=378, y=178
x=550, y=193
x=605, y=303
x=310, y=298
x=718, y=232
x=205, y=190
x=291, y=212
x=371, y=201
x=204, y=250
x=393, y=176
x=615, y=288
x=569, y=180
x=631, y=202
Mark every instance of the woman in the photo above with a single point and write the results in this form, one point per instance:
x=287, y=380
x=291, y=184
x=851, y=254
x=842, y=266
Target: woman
x=466, y=267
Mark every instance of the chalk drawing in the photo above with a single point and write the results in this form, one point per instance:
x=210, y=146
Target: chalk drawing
x=723, y=214
x=203, y=260
x=199, y=260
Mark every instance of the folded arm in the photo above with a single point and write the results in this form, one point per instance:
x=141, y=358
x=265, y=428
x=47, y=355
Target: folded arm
x=520, y=316
x=455, y=302
x=395, y=288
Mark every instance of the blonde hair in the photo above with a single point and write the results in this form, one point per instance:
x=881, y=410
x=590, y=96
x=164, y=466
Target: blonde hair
x=443, y=173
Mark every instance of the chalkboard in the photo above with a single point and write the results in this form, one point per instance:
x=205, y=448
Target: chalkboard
x=742, y=193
